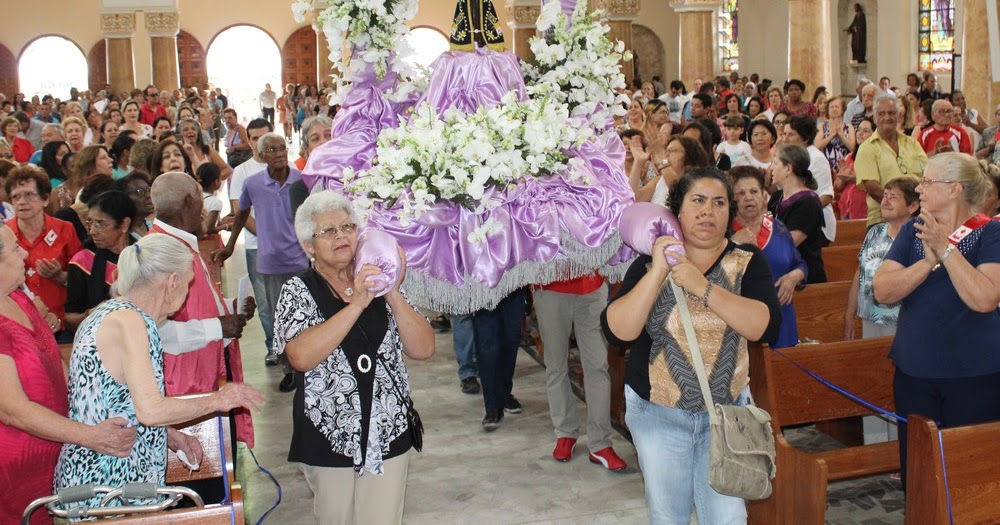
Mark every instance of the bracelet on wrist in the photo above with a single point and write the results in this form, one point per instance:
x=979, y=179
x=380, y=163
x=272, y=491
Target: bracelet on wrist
x=947, y=253
x=708, y=290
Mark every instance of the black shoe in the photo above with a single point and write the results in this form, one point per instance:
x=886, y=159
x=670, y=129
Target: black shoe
x=470, y=385
x=288, y=383
x=271, y=360
x=512, y=405
x=492, y=420
x=440, y=324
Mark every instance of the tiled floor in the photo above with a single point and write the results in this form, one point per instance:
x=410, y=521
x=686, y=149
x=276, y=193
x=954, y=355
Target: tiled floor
x=467, y=476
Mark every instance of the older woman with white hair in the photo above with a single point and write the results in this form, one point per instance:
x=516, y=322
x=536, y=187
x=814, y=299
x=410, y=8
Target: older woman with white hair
x=117, y=370
x=945, y=268
x=350, y=430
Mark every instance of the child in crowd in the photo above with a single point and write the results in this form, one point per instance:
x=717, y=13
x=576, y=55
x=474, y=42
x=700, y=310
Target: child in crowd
x=208, y=174
x=733, y=146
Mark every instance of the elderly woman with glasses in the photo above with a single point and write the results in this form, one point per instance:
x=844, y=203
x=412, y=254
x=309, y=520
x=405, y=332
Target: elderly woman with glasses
x=945, y=268
x=350, y=430
x=93, y=269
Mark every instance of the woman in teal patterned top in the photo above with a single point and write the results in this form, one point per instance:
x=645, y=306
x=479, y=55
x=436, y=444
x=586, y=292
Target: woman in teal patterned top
x=900, y=202
x=117, y=370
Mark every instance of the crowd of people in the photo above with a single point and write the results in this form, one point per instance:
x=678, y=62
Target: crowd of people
x=113, y=203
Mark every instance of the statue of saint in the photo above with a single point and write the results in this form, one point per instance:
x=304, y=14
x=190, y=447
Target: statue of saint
x=859, y=35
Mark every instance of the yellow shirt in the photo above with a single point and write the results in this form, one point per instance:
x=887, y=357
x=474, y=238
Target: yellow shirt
x=878, y=162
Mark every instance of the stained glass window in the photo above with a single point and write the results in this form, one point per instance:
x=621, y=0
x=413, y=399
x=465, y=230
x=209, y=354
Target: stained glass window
x=728, y=47
x=936, y=34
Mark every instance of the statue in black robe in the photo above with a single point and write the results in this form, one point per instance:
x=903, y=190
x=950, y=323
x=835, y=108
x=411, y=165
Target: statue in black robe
x=859, y=35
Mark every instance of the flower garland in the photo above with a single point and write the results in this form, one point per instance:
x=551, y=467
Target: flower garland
x=458, y=157
x=577, y=64
x=376, y=31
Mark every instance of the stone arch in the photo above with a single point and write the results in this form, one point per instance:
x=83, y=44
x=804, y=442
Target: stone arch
x=849, y=73
x=191, y=61
x=649, y=48
x=8, y=72
x=298, y=57
x=97, y=64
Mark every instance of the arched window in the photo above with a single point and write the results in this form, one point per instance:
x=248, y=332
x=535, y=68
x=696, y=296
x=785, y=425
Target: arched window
x=37, y=75
x=729, y=49
x=427, y=44
x=240, y=60
x=936, y=34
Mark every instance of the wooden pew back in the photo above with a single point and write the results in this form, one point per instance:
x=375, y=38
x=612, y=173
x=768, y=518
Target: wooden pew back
x=973, y=482
x=792, y=397
x=819, y=309
x=850, y=232
x=841, y=262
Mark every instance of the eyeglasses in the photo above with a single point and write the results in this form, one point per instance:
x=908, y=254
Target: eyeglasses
x=675, y=150
x=98, y=225
x=937, y=181
x=28, y=196
x=152, y=94
x=760, y=134
x=333, y=231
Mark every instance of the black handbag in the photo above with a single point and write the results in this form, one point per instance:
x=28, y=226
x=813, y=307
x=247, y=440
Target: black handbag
x=412, y=418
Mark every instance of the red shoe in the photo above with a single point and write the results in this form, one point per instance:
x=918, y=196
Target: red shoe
x=608, y=459
x=564, y=449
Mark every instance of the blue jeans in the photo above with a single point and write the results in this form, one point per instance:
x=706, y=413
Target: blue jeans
x=497, y=338
x=463, y=337
x=673, y=447
x=265, y=312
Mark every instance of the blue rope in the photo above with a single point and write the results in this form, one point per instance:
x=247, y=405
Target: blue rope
x=276, y=484
x=225, y=475
x=843, y=392
x=944, y=474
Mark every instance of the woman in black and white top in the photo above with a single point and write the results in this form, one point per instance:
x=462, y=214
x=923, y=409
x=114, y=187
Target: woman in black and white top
x=350, y=430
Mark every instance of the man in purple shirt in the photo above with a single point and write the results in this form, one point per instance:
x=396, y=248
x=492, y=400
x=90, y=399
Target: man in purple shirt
x=279, y=254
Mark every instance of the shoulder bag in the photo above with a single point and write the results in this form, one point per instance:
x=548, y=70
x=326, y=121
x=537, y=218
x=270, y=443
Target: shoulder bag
x=741, y=462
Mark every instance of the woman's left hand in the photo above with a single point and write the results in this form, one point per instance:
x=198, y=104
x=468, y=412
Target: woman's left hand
x=786, y=286
x=177, y=440
x=933, y=235
x=686, y=275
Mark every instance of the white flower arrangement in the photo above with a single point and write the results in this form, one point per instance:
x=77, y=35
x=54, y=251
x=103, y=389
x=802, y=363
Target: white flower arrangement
x=375, y=30
x=458, y=157
x=577, y=65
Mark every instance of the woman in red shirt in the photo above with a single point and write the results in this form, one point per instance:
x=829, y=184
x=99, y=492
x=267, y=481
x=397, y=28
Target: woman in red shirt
x=22, y=147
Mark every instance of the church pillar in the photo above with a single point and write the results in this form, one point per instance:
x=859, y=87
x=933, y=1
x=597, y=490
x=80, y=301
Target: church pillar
x=620, y=15
x=809, y=52
x=163, y=29
x=521, y=18
x=118, y=29
x=698, y=40
x=977, y=78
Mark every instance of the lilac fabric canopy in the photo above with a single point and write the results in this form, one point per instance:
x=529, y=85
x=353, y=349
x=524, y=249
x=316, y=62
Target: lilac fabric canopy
x=542, y=229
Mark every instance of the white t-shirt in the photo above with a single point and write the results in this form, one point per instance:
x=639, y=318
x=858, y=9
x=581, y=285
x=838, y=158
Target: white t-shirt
x=820, y=168
x=661, y=193
x=750, y=160
x=735, y=151
x=212, y=203
x=675, y=105
x=267, y=98
x=240, y=175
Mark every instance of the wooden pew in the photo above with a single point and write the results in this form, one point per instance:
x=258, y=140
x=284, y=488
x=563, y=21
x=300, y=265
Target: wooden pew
x=841, y=262
x=819, y=309
x=213, y=465
x=850, y=232
x=973, y=482
x=794, y=398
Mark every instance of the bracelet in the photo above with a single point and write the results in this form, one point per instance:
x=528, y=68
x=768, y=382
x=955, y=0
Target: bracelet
x=947, y=253
x=708, y=290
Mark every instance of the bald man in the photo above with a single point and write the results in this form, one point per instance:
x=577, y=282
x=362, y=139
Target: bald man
x=200, y=340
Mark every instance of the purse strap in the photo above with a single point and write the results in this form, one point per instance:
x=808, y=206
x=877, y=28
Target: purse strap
x=699, y=364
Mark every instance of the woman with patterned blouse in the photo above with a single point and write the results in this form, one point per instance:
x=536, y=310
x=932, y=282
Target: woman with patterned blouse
x=117, y=370
x=900, y=202
x=732, y=299
x=349, y=424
